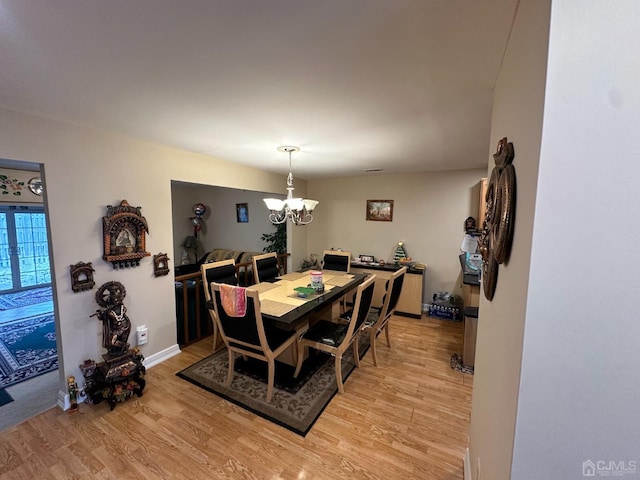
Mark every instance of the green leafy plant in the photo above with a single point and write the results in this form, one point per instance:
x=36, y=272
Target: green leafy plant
x=276, y=241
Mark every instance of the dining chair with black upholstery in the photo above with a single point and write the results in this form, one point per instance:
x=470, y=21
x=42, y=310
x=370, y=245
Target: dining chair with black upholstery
x=336, y=338
x=265, y=267
x=223, y=271
x=379, y=321
x=244, y=331
x=336, y=260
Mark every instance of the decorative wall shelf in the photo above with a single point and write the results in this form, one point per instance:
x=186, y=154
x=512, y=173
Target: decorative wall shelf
x=124, y=230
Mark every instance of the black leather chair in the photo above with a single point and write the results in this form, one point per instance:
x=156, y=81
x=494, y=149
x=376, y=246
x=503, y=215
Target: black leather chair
x=336, y=260
x=339, y=262
x=223, y=271
x=335, y=338
x=377, y=323
x=265, y=267
x=248, y=335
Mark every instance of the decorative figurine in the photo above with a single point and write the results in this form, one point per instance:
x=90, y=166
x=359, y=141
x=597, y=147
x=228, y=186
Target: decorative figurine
x=470, y=225
x=122, y=372
x=116, y=326
x=73, y=394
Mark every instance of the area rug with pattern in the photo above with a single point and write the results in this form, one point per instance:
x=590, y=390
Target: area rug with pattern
x=25, y=298
x=296, y=403
x=27, y=349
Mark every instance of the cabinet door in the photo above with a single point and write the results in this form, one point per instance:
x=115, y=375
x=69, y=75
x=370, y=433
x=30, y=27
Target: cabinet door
x=380, y=284
x=410, y=300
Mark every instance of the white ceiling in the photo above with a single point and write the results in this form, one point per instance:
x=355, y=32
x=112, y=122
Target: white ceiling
x=402, y=85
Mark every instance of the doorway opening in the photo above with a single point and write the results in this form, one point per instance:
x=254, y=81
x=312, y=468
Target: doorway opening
x=28, y=345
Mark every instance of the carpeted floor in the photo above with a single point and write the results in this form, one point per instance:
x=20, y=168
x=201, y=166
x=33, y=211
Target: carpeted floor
x=27, y=349
x=25, y=298
x=296, y=404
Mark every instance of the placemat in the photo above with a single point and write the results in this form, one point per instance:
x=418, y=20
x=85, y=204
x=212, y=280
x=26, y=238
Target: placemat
x=263, y=287
x=339, y=280
x=334, y=273
x=276, y=309
x=293, y=276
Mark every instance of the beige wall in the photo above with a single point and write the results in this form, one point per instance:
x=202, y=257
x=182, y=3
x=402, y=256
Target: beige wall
x=428, y=216
x=517, y=114
x=86, y=170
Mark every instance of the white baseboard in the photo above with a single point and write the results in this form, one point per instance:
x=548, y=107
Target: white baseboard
x=161, y=356
x=63, y=400
x=467, y=466
x=63, y=397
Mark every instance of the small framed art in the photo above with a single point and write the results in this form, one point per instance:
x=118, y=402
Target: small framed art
x=242, y=213
x=380, y=210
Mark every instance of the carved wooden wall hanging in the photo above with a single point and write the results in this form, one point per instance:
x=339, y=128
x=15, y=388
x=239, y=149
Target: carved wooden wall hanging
x=124, y=230
x=497, y=229
x=81, y=277
x=160, y=264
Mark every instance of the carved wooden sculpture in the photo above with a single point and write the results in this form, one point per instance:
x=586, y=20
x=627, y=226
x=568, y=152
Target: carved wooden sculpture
x=81, y=277
x=497, y=229
x=124, y=230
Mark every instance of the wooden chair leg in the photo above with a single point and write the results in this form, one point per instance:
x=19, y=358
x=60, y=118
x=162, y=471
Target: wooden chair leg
x=300, y=359
x=372, y=341
x=386, y=331
x=339, y=373
x=271, y=376
x=232, y=358
x=356, y=350
x=215, y=338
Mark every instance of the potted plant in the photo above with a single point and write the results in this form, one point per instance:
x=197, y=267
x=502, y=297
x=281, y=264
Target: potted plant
x=276, y=241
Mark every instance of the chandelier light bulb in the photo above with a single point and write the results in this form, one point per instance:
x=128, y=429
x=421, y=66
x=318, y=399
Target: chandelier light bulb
x=297, y=210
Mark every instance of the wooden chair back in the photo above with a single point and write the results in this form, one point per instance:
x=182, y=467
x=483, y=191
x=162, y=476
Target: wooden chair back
x=247, y=335
x=223, y=271
x=336, y=260
x=246, y=332
x=265, y=267
x=392, y=294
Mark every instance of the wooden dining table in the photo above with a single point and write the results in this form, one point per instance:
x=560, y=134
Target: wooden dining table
x=281, y=305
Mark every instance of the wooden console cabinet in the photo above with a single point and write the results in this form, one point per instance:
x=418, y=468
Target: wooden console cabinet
x=410, y=301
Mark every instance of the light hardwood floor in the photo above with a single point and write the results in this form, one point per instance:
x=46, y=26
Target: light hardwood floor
x=407, y=419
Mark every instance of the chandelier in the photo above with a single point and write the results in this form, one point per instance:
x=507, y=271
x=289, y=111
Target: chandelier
x=298, y=210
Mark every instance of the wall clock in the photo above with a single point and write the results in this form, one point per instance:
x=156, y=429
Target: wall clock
x=35, y=186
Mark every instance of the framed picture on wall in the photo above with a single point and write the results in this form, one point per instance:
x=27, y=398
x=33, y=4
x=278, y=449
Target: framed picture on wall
x=380, y=210
x=242, y=213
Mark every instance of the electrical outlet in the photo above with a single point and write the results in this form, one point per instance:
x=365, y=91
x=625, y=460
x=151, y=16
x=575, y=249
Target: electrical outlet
x=142, y=334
